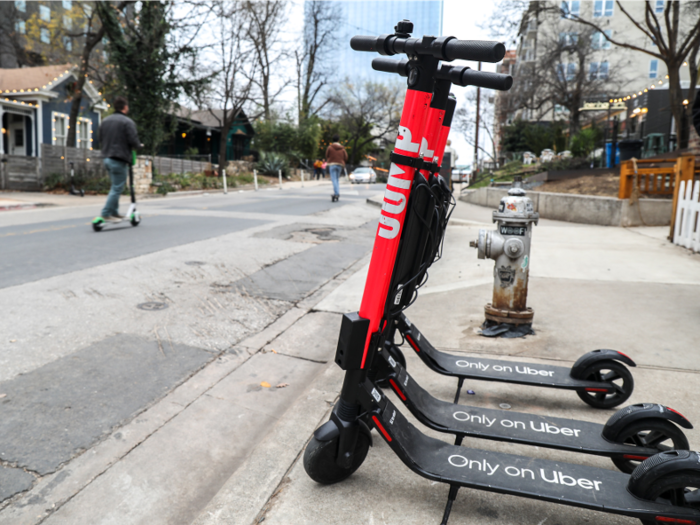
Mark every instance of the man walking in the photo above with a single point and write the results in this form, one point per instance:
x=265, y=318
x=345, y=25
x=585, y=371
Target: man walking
x=117, y=136
x=336, y=156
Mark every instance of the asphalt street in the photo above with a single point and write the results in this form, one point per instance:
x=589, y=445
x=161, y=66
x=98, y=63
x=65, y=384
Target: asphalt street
x=56, y=241
x=118, y=347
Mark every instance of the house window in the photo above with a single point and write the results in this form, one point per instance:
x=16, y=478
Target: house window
x=45, y=13
x=570, y=8
x=603, y=8
x=598, y=70
x=67, y=5
x=60, y=129
x=44, y=35
x=598, y=41
x=21, y=6
x=20, y=27
x=653, y=68
x=67, y=43
x=566, y=72
x=603, y=71
x=67, y=22
x=659, y=7
x=83, y=135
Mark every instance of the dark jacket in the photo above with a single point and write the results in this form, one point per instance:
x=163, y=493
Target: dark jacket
x=696, y=112
x=118, y=137
x=336, y=154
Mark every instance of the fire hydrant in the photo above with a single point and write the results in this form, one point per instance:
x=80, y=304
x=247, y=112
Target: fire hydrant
x=509, y=246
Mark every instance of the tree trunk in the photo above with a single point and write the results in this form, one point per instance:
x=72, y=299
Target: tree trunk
x=675, y=100
x=223, y=141
x=90, y=43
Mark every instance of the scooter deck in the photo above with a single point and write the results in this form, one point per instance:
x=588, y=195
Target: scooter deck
x=558, y=482
x=498, y=425
x=490, y=369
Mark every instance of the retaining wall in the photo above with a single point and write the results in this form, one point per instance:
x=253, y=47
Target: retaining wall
x=585, y=209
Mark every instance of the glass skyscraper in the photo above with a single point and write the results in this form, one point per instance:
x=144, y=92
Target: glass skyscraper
x=378, y=17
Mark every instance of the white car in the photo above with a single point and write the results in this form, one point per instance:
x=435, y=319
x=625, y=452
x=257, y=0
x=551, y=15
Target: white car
x=363, y=175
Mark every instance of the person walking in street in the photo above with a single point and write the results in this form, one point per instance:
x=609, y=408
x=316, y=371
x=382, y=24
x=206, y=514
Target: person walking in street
x=118, y=137
x=318, y=168
x=336, y=156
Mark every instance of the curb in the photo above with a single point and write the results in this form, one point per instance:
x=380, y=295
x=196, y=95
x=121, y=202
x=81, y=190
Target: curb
x=25, y=206
x=244, y=496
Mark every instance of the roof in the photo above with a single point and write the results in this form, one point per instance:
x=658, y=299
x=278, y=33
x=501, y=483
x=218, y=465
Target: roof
x=212, y=118
x=32, y=78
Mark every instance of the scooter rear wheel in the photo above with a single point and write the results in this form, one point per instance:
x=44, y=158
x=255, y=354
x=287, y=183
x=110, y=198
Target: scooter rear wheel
x=653, y=433
x=607, y=371
x=319, y=458
x=680, y=489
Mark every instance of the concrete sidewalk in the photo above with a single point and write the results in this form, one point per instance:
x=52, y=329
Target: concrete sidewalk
x=591, y=287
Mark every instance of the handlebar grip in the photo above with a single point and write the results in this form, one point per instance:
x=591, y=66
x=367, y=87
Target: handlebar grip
x=475, y=50
x=388, y=65
x=484, y=79
x=364, y=43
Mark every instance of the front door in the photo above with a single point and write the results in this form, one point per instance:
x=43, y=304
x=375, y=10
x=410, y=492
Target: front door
x=17, y=137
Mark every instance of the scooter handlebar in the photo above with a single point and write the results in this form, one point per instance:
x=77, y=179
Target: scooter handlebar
x=464, y=76
x=443, y=48
x=475, y=50
x=459, y=76
x=365, y=43
x=388, y=65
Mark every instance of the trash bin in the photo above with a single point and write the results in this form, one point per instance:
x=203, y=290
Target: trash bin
x=630, y=148
x=608, y=155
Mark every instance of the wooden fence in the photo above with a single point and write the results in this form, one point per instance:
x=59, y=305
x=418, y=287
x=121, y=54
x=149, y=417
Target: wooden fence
x=687, y=231
x=20, y=173
x=167, y=165
x=648, y=177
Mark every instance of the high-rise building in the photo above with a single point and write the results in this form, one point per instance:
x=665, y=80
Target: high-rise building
x=378, y=17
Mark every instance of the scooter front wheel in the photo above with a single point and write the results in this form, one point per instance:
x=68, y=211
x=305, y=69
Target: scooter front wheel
x=652, y=433
x=320, y=458
x=607, y=371
x=97, y=226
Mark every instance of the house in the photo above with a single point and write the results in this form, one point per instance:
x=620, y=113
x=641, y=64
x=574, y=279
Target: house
x=201, y=130
x=35, y=105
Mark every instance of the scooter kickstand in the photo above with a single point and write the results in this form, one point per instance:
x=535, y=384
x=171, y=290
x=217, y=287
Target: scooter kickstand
x=459, y=389
x=450, y=500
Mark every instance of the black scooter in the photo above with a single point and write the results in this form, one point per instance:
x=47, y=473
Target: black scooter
x=630, y=436
x=656, y=491
x=73, y=191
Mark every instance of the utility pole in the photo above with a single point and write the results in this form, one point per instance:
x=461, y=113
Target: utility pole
x=475, y=168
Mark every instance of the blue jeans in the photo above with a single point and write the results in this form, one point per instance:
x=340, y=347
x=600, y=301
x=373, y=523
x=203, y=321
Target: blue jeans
x=117, y=173
x=335, y=170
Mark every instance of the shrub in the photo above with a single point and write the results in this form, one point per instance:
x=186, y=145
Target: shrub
x=270, y=163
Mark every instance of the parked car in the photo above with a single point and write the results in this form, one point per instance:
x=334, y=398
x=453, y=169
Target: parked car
x=363, y=175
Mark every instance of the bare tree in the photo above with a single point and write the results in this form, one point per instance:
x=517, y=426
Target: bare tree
x=231, y=84
x=8, y=41
x=321, y=20
x=675, y=37
x=367, y=113
x=263, y=22
x=464, y=122
x=92, y=34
